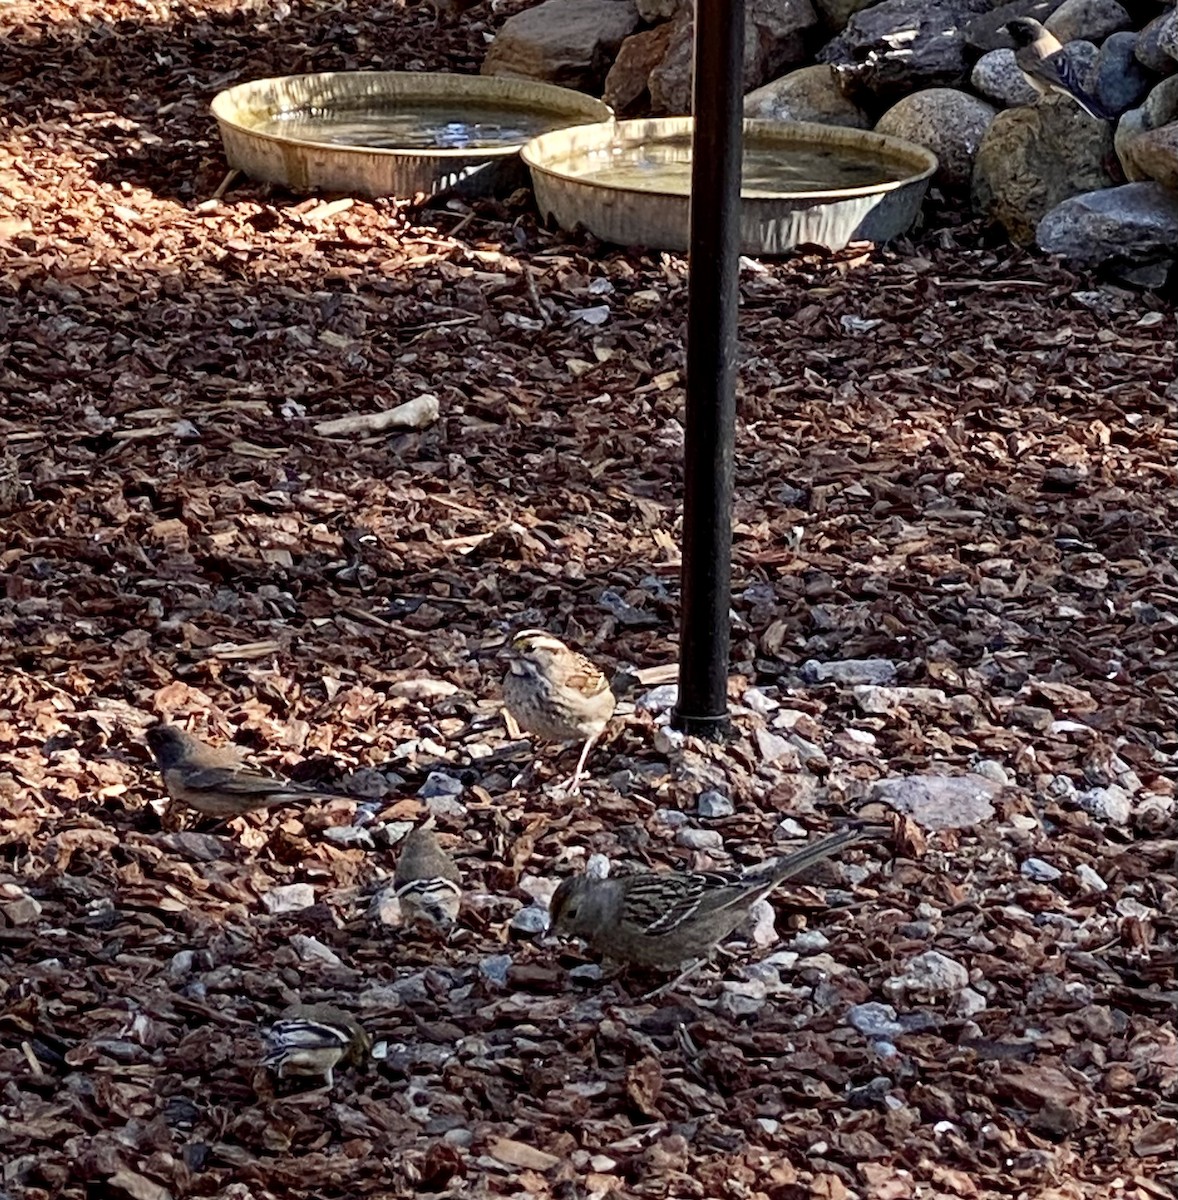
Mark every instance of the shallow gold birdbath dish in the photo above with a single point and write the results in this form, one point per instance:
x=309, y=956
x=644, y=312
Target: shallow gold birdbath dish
x=391, y=133
x=629, y=182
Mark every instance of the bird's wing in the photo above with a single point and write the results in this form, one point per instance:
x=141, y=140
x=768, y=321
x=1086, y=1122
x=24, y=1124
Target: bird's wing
x=246, y=781
x=663, y=902
x=1060, y=71
x=586, y=678
x=299, y=1033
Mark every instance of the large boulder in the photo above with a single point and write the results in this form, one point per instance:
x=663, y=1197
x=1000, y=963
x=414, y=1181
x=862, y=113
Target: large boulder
x=1159, y=109
x=774, y=38
x=899, y=46
x=1088, y=19
x=1155, y=155
x=807, y=94
x=626, y=85
x=949, y=123
x=997, y=77
x=1033, y=158
x=1118, y=80
x=570, y=42
x=1150, y=52
x=1125, y=228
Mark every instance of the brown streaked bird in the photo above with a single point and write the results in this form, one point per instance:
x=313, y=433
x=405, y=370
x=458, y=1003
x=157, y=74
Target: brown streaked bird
x=216, y=781
x=663, y=919
x=314, y=1039
x=1039, y=55
x=427, y=881
x=556, y=693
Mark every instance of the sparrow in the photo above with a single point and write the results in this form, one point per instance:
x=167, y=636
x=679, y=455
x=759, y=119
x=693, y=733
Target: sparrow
x=1038, y=54
x=313, y=1039
x=663, y=919
x=427, y=881
x=556, y=693
x=215, y=780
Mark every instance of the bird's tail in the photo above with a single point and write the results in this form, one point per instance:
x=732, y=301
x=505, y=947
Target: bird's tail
x=1092, y=106
x=789, y=865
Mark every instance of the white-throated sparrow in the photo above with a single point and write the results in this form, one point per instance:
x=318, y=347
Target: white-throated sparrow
x=427, y=881
x=556, y=693
x=216, y=781
x=313, y=1039
x=663, y=919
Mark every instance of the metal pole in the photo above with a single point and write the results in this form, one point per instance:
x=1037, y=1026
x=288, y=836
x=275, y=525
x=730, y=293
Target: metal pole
x=712, y=300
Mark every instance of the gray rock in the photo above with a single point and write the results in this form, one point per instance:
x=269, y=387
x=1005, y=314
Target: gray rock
x=939, y=801
x=714, y=805
x=874, y=1020
x=930, y=974
x=994, y=771
x=776, y=750
x=569, y=42
x=1111, y=803
x=878, y=700
x=741, y=999
x=1168, y=38
x=949, y=123
x=658, y=699
x=1150, y=51
x=1159, y=108
x=774, y=38
x=1118, y=80
x=1123, y=228
x=699, y=839
x=445, y=806
x=530, y=921
x=672, y=817
x=997, y=77
x=898, y=46
x=808, y=94
x=809, y=941
x=438, y=783
x=1090, y=881
x=849, y=671
x=495, y=968
x=1088, y=19
x=1039, y=871
x=1033, y=158
x=969, y=1003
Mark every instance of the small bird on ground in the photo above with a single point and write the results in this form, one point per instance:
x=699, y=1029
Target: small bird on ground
x=427, y=881
x=556, y=693
x=1039, y=55
x=314, y=1039
x=216, y=781
x=663, y=919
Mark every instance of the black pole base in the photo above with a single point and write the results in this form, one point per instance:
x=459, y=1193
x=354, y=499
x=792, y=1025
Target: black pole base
x=710, y=729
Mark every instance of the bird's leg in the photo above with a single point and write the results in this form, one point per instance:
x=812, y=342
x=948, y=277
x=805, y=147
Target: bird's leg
x=573, y=785
x=329, y=1076
x=667, y=987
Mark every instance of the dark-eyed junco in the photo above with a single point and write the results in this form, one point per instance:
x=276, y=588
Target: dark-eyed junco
x=313, y=1039
x=215, y=780
x=663, y=919
x=427, y=881
x=1039, y=55
x=556, y=693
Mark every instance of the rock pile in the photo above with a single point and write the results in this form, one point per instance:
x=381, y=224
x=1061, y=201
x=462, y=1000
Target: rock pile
x=938, y=72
